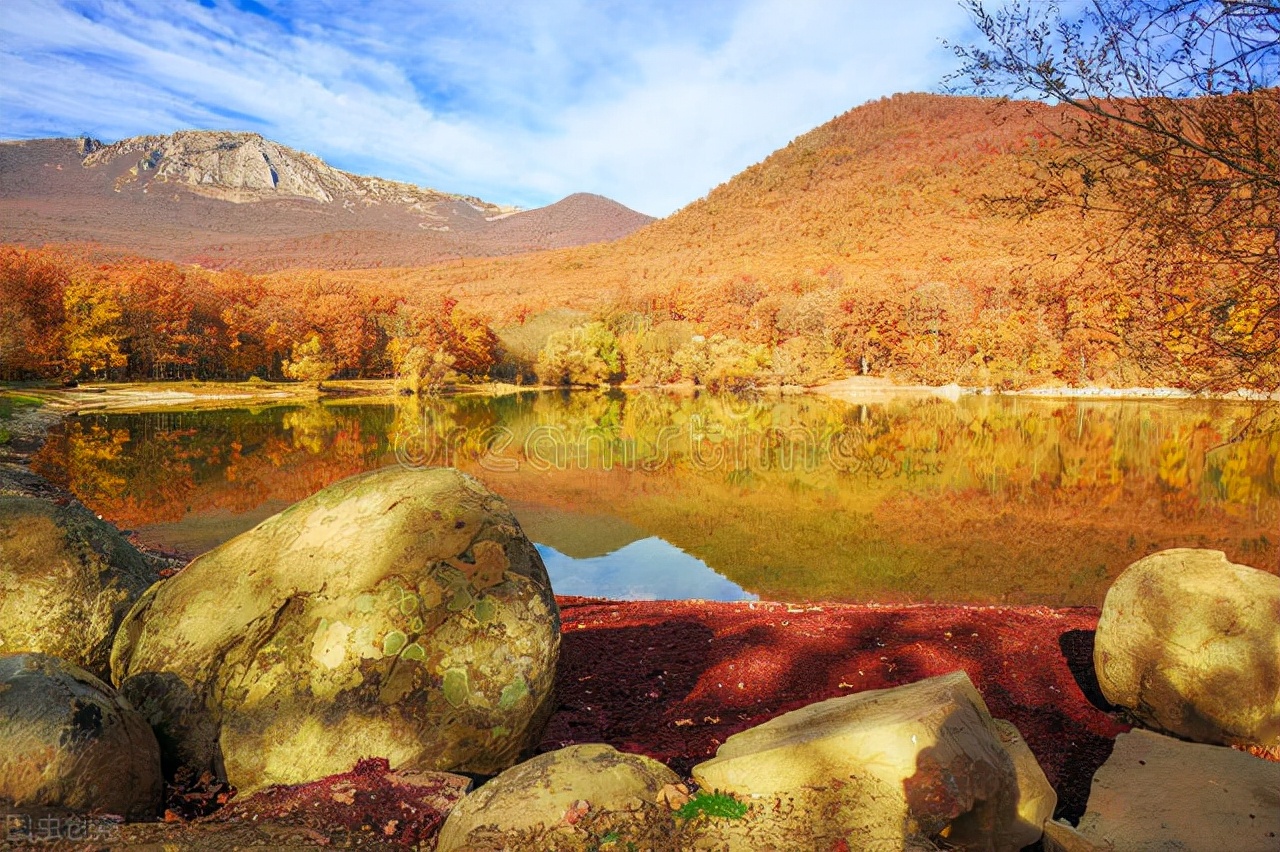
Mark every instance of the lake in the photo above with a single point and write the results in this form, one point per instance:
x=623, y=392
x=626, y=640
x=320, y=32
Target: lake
x=986, y=499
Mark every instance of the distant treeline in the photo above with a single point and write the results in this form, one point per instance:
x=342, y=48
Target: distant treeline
x=65, y=314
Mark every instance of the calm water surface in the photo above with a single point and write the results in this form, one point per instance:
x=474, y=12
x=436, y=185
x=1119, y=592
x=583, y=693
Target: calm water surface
x=984, y=500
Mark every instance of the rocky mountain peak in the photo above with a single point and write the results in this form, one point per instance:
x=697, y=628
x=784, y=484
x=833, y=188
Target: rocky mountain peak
x=245, y=167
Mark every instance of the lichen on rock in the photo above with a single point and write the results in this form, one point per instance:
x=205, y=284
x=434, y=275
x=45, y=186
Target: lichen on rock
x=568, y=799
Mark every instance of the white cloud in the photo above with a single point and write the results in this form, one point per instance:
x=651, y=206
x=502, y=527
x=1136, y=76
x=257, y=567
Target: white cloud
x=652, y=105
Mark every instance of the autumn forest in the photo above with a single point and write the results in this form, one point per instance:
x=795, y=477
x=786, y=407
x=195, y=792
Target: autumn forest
x=894, y=241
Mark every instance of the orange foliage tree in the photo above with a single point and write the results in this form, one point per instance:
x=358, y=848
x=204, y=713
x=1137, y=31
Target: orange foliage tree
x=32, y=284
x=126, y=317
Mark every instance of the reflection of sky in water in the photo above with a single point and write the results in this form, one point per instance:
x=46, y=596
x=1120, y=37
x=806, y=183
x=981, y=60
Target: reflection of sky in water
x=648, y=569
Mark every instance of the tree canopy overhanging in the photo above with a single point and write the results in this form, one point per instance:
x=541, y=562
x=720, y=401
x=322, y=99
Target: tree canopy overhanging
x=1171, y=129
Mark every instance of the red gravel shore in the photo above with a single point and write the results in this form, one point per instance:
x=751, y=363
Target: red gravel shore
x=673, y=679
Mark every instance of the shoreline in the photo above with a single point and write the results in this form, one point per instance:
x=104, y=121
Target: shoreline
x=139, y=397
x=127, y=397
x=874, y=389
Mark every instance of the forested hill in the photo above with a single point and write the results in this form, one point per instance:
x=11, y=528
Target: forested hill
x=868, y=243
x=888, y=196
x=879, y=243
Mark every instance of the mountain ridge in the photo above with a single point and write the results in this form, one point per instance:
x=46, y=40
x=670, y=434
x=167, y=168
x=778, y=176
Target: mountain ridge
x=890, y=195
x=879, y=243
x=225, y=199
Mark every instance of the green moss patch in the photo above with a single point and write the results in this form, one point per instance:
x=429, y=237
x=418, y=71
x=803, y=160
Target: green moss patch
x=456, y=687
x=393, y=642
x=513, y=692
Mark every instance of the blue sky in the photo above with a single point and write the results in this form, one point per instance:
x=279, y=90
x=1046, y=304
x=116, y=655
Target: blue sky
x=650, y=102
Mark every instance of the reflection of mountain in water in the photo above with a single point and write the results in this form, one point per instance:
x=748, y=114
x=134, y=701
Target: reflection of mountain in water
x=983, y=500
x=573, y=533
x=648, y=569
x=198, y=533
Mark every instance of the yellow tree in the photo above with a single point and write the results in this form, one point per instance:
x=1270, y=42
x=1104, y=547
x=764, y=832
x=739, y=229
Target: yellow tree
x=92, y=333
x=310, y=363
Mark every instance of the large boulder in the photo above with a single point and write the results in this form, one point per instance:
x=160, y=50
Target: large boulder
x=885, y=769
x=568, y=799
x=1190, y=644
x=1155, y=792
x=399, y=614
x=66, y=581
x=68, y=741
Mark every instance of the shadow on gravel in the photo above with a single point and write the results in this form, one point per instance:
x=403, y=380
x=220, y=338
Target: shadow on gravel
x=618, y=684
x=674, y=679
x=1077, y=650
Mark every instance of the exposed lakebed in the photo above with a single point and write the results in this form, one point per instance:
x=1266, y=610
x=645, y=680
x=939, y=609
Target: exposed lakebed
x=646, y=495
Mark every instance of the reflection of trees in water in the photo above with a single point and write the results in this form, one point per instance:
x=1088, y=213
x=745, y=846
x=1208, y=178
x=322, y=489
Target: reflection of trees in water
x=84, y=457
x=153, y=468
x=912, y=495
x=1012, y=449
x=432, y=431
x=311, y=427
x=988, y=499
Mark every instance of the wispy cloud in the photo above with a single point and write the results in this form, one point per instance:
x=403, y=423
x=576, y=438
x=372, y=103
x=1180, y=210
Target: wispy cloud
x=651, y=103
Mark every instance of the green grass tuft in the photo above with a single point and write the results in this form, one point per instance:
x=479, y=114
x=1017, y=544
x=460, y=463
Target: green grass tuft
x=9, y=405
x=11, y=402
x=717, y=804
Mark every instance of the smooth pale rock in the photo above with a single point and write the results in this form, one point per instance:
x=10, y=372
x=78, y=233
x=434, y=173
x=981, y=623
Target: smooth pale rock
x=884, y=768
x=1036, y=798
x=66, y=581
x=1061, y=837
x=1190, y=644
x=68, y=741
x=399, y=614
x=1158, y=793
x=560, y=799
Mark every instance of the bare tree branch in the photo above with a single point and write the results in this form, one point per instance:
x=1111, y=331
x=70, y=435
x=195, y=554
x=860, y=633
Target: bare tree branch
x=1172, y=130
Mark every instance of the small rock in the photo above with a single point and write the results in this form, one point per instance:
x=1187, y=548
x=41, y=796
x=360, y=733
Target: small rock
x=674, y=796
x=565, y=799
x=68, y=741
x=1155, y=792
x=1190, y=644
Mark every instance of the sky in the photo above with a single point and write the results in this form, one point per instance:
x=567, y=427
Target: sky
x=649, y=102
